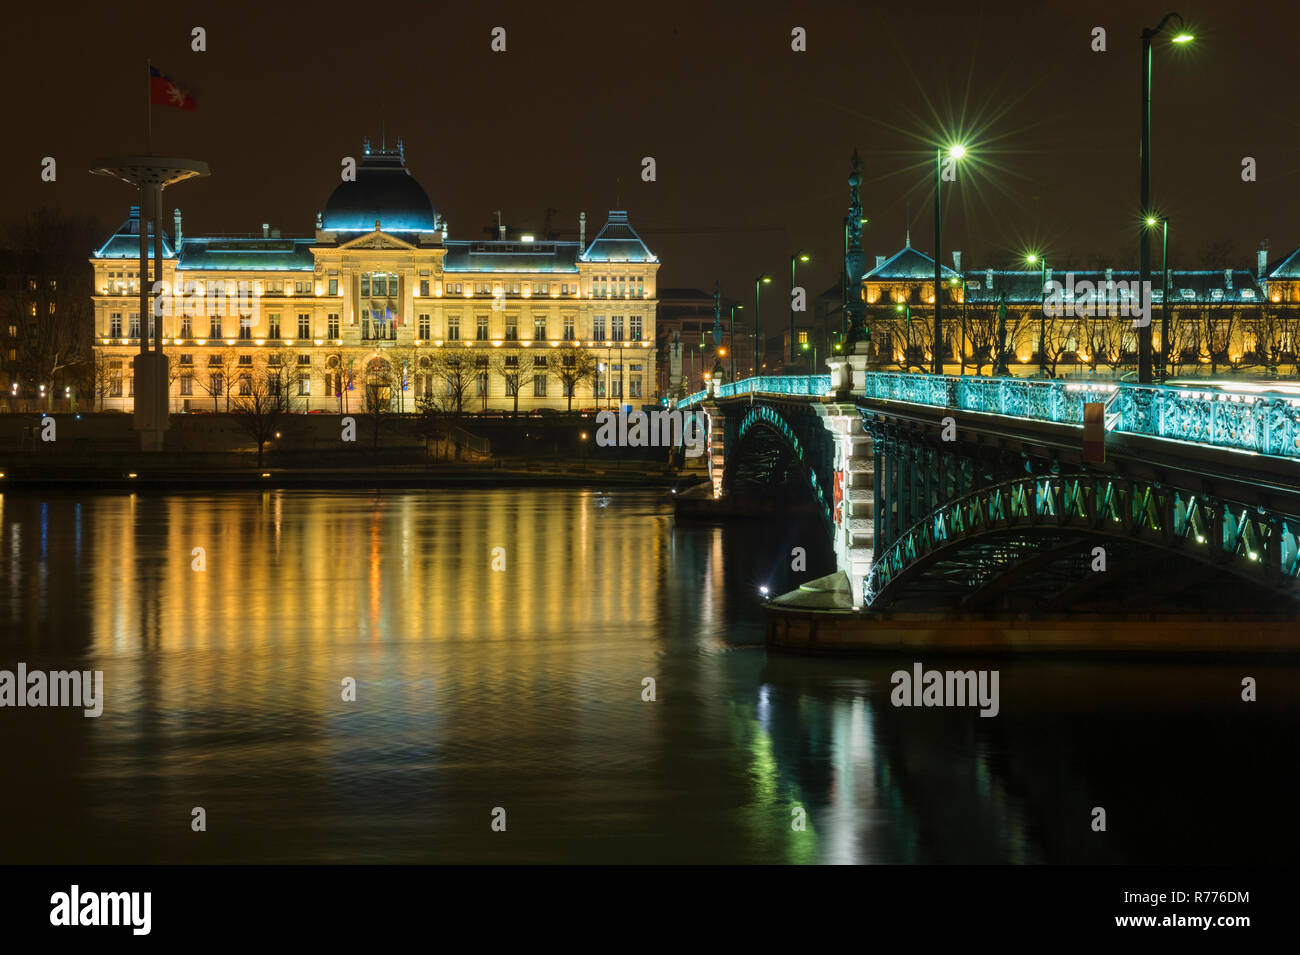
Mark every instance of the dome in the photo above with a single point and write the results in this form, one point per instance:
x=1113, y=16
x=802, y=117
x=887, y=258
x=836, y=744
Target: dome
x=384, y=190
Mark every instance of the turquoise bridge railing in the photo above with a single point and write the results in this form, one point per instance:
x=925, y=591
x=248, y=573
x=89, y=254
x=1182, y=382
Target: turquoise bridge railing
x=1263, y=422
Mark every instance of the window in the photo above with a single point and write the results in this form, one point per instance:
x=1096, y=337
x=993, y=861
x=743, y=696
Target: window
x=634, y=386
x=617, y=330
x=187, y=385
x=539, y=329
x=214, y=328
x=215, y=384
x=332, y=321
x=635, y=321
x=187, y=327
x=423, y=327
x=424, y=288
x=273, y=360
x=539, y=386
x=135, y=326
x=246, y=326
x=304, y=359
x=568, y=328
x=481, y=333
x=304, y=326
x=453, y=328
x=334, y=286
x=640, y=287
x=512, y=328
x=114, y=326
x=187, y=360
x=115, y=379
x=214, y=361
x=245, y=359
x=245, y=385
x=803, y=335
x=304, y=384
x=272, y=327
x=598, y=328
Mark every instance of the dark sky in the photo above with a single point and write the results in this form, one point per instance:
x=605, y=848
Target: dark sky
x=751, y=140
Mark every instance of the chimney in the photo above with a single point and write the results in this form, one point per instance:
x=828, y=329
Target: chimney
x=1110, y=275
x=582, y=231
x=880, y=260
x=988, y=279
x=176, y=216
x=956, y=261
x=1227, y=279
x=1261, y=257
x=501, y=232
x=266, y=230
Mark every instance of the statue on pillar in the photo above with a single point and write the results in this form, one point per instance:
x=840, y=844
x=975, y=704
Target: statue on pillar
x=855, y=260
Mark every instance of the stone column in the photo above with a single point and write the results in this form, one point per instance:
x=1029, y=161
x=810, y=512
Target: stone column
x=853, y=496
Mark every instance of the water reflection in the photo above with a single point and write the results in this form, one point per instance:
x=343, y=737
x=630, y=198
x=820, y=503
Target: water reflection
x=522, y=688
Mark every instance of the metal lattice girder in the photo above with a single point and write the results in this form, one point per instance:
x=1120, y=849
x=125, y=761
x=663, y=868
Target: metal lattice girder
x=1253, y=543
x=772, y=419
x=1261, y=423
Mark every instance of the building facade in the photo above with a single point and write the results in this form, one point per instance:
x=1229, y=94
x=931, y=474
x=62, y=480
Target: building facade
x=381, y=309
x=1081, y=321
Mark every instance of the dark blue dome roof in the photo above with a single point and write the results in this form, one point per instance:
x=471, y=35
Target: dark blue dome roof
x=385, y=191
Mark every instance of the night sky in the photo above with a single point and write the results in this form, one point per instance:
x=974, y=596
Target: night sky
x=752, y=141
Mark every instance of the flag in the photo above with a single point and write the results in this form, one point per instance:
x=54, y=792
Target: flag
x=165, y=90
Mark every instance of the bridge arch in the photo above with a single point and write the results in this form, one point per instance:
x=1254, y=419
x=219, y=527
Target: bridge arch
x=1000, y=532
x=768, y=445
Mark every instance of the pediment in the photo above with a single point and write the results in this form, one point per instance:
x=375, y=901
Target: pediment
x=378, y=240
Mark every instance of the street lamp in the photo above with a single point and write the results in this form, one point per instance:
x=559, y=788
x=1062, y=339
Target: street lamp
x=1151, y=223
x=731, y=341
x=1033, y=258
x=905, y=309
x=795, y=259
x=804, y=347
x=956, y=154
x=1144, y=154
x=758, y=283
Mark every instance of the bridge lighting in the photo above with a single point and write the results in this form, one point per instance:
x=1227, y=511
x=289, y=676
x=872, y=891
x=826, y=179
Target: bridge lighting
x=763, y=591
x=1184, y=38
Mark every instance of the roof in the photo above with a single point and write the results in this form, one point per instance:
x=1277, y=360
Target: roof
x=384, y=191
x=905, y=265
x=1021, y=286
x=511, y=256
x=617, y=242
x=125, y=242
x=1287, y=267
x=246, y=255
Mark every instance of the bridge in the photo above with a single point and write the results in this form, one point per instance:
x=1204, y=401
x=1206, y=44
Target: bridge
x=975, y=493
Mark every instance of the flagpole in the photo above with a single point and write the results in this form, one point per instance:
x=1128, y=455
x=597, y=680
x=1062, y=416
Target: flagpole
x=149, y=101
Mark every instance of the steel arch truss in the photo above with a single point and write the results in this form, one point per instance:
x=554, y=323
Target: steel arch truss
x=1247, y=542
x=810, y=461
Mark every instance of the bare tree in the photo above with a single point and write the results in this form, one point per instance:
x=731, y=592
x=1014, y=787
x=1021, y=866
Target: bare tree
x=576, y=366
x=453, y=375
x=263, y=403
x=516, y=368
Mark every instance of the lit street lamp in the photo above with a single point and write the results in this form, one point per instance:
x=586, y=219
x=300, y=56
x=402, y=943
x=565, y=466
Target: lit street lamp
x=731, y=341
x=1144, y=243
x=758, y=283
x=955, y=153
x=1032, y=259
x=795, y=259
x=1164, y=290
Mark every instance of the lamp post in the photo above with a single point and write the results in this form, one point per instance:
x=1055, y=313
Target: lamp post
x=955, y=153
x=1144, y=155
x=1032, y=258
x=758, y=284
x=795, y=259
x=731, y=342
x=905, y=308
x=1164, y=290
x=804, y=347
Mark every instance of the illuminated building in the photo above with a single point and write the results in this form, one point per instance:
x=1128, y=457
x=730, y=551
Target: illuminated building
x=381, y=307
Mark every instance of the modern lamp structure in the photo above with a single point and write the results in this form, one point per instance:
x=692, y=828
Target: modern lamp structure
x=1163, y=222
x=956, y=154
x=1034, y=258
x=1144, y=241
x=150, y=174
x=758, y=284
x=795, y=259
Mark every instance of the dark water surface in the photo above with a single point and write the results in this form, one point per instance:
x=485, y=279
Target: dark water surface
x=522, y=689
